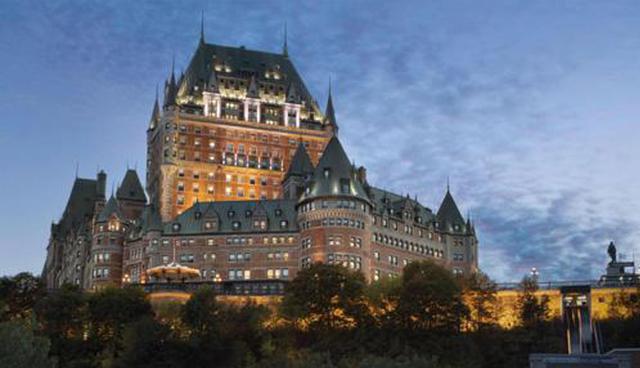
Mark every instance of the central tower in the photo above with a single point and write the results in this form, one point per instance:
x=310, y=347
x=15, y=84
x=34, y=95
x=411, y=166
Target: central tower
x=229, y=127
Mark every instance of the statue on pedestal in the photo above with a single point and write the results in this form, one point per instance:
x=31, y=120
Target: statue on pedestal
x=612, y=252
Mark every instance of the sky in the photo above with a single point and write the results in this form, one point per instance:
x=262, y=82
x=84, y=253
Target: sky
x=531, y=109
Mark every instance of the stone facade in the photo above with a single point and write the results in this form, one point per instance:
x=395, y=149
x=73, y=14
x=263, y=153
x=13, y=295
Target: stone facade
x=247, y=180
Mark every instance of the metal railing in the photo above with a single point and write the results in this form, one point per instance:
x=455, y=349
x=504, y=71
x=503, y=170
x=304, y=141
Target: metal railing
x=239, y=287
x=595, y=284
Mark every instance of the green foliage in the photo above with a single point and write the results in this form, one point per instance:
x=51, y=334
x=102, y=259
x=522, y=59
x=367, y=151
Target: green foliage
x=329, y=318
x=430, y=299
x=223, y=334
x=18, y=295
x=325, y=297
x=480, y=292
x=533, y=311
x=21, y=348
x=149, y=343
x=109, y=312
x=62, y=315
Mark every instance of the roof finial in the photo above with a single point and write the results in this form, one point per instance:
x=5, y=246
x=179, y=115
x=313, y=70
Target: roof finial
x=285, y=49
x=202, y=28
x=77, y=168
x=448, y=186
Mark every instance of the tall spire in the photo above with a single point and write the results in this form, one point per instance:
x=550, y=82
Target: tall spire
x=170, y=88
x=155, y=114
x=329, y=114
x=202, y=28
x=285, y=49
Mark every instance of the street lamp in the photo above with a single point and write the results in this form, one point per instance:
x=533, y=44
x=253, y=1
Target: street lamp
x=534, y=273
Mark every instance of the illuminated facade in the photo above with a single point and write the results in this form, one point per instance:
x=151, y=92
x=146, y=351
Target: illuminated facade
x=247, y=180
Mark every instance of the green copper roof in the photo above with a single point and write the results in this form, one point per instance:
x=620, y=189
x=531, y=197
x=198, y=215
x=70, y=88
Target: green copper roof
x=330, y=114
x=300, y=163
x=131, y=189
x=242, y=64
x=80, y=206
x=392, y=204
x=111, y=208
x=151, y=220
x=334, y=175
x=449, y=214
x=235, y=217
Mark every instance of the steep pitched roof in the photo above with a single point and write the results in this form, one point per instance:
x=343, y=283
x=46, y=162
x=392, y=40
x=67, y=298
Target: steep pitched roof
x=131, y=189
x=151, y=220
x=292, y=94
x=330, y=114
x=252, y=89
x=155, y=113
x=236, y=217
x=170, y=88
x=334, y=175
x=392, y=204
x=212, y=84
x=449, y=214
x=111, y=208
x=300, y=163
x=242, y=62
x=80, y=206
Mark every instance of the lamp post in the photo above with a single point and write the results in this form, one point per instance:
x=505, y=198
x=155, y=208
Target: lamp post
x=534, y=274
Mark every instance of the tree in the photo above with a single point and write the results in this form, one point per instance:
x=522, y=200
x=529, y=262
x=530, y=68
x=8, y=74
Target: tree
x=62, y=315
x=18, y=295
x=149, y=343
x=110, y=311
x=221, y=333
x=430, y=299
x=20, y=348
x=479, y=293
x=533, y=311
x=325, y=297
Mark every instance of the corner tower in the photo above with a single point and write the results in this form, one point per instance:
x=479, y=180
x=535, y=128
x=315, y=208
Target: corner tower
x=334, y=214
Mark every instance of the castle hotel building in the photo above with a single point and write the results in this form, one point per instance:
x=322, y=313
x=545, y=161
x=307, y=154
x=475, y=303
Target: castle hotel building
x=246, y=179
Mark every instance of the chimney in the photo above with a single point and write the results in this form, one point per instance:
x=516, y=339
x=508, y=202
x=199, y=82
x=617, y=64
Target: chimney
x=362, y=174
x=101, y=185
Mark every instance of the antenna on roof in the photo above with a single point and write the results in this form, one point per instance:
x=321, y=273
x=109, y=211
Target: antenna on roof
x=448, y=187
x=285, y=49
x=77, y=168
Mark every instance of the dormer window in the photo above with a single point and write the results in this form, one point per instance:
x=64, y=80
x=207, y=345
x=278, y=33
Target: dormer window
x=344, y=186
x=327, y=172
x=247, y=213
x=236, y=225
x=208, y=225
x=231, y=213
x=198, y=215
x=284, y=223
x=175, y=227
x=278, y=212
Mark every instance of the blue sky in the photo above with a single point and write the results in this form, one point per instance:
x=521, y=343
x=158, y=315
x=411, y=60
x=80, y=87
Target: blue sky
x=531, y=108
